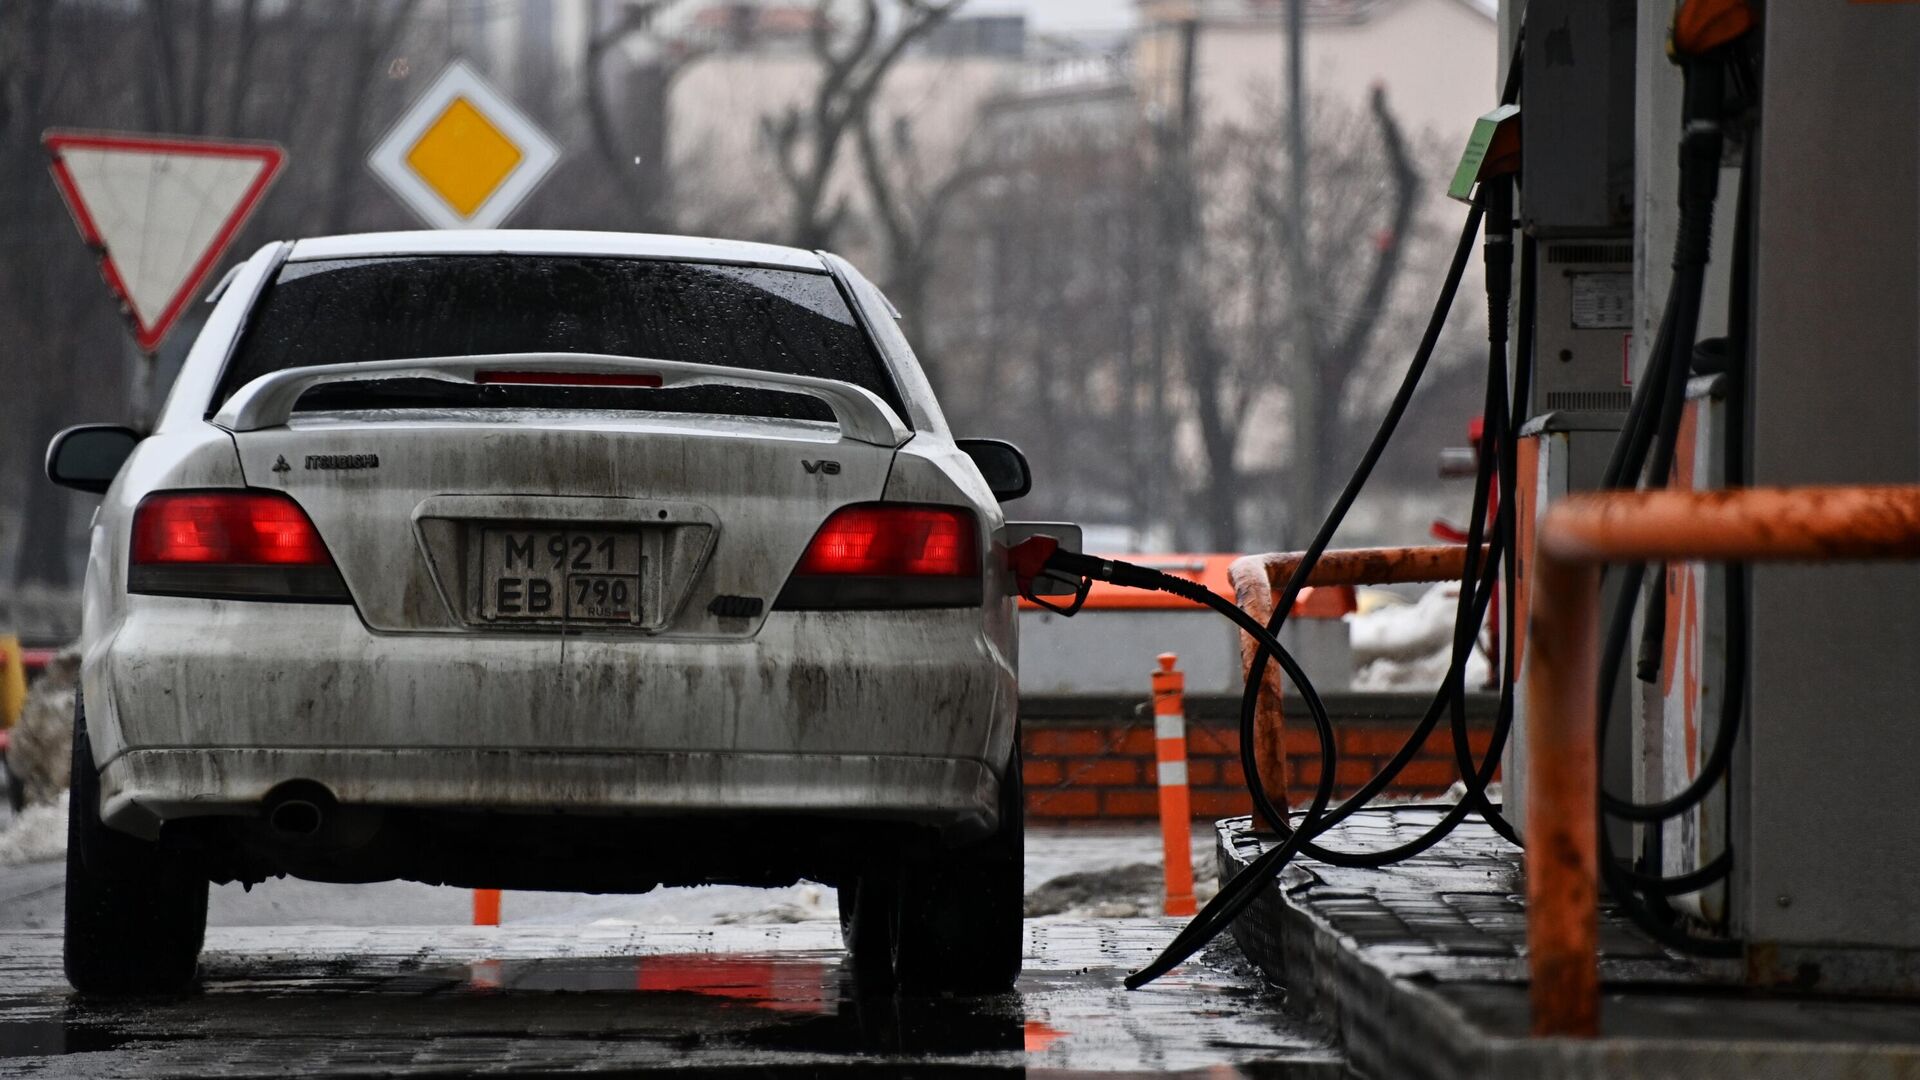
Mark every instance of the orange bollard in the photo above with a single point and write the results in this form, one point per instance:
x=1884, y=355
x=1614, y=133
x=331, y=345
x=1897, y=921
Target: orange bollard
x=486, y=907
x=1170, y=747
x=13, y=681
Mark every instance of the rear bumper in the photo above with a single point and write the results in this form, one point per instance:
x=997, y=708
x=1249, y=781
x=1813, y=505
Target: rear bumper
x=142, y=788
x=200, y=707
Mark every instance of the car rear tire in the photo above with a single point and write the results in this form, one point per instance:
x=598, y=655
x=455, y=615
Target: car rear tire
x=866, y=926
x=957, y=925
x=136, y=912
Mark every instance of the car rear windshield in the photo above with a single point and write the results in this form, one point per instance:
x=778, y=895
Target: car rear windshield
x=409, y=307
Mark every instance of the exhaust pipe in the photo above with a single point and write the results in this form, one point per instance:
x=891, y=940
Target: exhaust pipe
x=299, y=810
x=296, y=819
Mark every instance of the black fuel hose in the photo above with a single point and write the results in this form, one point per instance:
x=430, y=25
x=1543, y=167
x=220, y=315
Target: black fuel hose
x=1283, y=603
x=1649, y=445
x=1247, y=886
x=1222, y=908
x=1362, y=472
x=1720, y=756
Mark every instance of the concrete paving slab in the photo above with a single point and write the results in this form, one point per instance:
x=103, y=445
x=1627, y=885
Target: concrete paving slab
x=1420, y=968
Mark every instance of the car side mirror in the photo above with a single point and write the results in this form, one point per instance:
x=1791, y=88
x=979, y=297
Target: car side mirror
x=1002, y=464
x=88, y=457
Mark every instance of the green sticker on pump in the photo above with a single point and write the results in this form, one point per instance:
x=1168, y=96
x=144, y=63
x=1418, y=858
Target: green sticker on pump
x=1475, y=157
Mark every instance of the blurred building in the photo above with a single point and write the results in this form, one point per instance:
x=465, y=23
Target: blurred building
x=743, y=26
x=1435, y=58
x=979, y=35
x=762, y=65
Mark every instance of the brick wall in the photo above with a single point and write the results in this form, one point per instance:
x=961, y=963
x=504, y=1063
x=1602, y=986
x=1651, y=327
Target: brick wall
x=1094, y=758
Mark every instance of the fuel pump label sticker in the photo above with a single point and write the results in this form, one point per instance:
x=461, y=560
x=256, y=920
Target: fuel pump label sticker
x=1602, y=301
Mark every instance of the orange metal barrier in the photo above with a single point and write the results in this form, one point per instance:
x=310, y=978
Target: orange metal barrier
x=1257, y=579
x=486, y=907
x=1575, y=537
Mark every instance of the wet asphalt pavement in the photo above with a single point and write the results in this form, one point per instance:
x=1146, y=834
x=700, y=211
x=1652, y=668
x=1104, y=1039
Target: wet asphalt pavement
x=402, y=1001
x=616, y=996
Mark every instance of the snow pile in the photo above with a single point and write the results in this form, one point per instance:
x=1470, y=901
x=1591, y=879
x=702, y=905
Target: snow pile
x=39, y=756
x=1117, y=892
x=1408, y=646
x=37, y=835
x=1459, y=791
x=42, y=745
x=804, y=902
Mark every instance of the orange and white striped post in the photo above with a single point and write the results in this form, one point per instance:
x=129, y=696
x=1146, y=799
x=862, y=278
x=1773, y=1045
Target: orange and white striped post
x=1170, y=748
x=486, y=907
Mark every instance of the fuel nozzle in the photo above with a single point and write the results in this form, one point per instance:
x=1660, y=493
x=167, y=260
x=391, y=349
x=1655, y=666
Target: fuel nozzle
x=1701, y=26
x=1041, y=557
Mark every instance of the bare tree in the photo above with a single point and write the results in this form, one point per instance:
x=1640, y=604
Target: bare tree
x=304, y=78
x=806, y=140
x=1350, y=274
x=1133, y=300
x=642, y=175
x=1042, y=300
x=1111, y=291
x=375, y=27
x=911, y=207
x=1360, y=202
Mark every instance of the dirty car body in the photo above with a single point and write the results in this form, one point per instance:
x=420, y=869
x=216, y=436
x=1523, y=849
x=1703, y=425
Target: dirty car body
x=569, y=624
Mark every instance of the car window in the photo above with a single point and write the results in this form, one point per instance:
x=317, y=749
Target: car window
x=406, y=307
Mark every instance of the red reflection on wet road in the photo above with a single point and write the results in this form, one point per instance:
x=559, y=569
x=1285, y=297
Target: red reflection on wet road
x=783, y=984
x=1039, y=1036
x=786, y=984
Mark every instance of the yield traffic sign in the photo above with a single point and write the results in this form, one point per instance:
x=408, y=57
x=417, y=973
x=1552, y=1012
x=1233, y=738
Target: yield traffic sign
x=462, y=156
x=159, y=210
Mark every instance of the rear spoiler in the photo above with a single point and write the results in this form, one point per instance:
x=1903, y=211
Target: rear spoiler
x=268, y=401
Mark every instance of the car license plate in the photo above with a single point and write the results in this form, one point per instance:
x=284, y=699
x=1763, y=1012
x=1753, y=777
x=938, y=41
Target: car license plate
x=560, y=575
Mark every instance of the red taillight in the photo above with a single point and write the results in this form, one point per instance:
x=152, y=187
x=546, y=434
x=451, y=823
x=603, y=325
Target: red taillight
x=566, y=378
x=241, y=545
x=245, y=528
x=889, y=556
x=900, y=541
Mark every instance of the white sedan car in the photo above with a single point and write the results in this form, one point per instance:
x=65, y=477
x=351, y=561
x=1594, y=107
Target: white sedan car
x=546, y=560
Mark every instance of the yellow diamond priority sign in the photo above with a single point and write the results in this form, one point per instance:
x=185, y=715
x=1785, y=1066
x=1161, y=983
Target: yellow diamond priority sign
x=462, y=156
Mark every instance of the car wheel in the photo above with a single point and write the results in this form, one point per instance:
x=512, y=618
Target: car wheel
x=866, y=926
x=957, y=917
x=136, y=913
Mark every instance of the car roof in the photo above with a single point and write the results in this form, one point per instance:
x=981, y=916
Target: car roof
x=555, y=242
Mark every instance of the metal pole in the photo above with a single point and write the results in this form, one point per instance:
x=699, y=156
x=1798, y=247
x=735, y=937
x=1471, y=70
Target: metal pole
x=1304, y=387
x=1563, y=781
x=1581, y=532
x=1255, y=580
